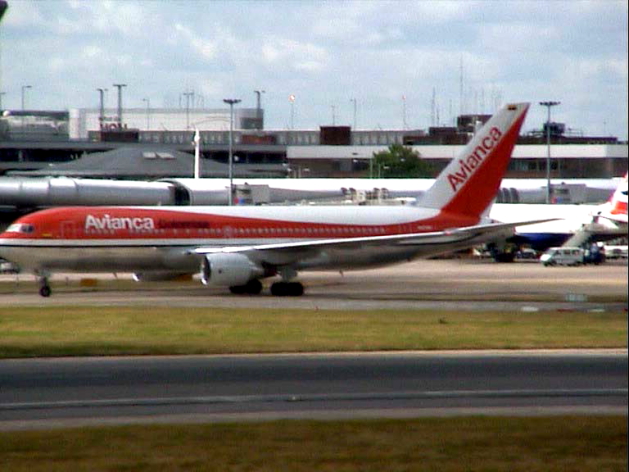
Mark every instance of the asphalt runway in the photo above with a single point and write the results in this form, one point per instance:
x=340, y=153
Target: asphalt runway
x=73, y=392
x=451, y=284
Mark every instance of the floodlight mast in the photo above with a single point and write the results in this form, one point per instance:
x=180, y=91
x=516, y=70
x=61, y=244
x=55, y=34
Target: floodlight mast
x=549, y=105
x=101, y=116
x=231, y=102
x=259, y=107
x=24, y=89
x=119, y=87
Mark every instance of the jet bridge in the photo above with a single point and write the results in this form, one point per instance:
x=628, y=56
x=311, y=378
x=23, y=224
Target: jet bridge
x=62, y=191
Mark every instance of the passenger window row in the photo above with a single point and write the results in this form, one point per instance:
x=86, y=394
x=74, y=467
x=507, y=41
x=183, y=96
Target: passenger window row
x=263, y=231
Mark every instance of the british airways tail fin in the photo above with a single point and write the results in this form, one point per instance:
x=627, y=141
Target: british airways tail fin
x=468, y=185
x=619, y=199
x=616, y=208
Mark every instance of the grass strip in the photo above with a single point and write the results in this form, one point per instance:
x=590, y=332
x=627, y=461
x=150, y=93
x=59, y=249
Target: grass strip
x=583, y=443
x=136, y=330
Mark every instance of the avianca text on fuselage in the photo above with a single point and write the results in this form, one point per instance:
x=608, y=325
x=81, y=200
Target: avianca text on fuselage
x=110, y=223
x=472, y=161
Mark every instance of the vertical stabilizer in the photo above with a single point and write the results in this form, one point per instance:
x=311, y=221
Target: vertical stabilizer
x=615, y=209
x=618, y=201
x=468, y=185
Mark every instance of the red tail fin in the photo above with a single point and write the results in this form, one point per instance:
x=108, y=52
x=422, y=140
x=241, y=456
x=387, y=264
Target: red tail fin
x=618, y=201
x=468, y=185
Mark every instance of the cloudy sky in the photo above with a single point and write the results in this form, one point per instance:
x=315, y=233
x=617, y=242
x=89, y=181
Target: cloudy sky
x=393, y=60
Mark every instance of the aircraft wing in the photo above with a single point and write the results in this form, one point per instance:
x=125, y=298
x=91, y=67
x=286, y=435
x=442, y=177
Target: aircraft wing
x=436, y=242
x=618, y=219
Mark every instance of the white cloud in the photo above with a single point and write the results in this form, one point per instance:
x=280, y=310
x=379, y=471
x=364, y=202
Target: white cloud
x=339, y=27
x=123, y=18
x=205, y=47
x=91, y=52
x=24, y=14
x=326, y=53
x=56, y=64
x=284, y=53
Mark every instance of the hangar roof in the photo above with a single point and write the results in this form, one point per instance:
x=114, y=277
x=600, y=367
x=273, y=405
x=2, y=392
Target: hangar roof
x=138, y=163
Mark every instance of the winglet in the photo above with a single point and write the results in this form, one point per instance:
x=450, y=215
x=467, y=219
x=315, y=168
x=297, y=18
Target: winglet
x=468, y=185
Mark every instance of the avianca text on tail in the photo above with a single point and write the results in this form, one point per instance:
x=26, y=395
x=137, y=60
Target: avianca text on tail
x=238, y=247
x=471, y=162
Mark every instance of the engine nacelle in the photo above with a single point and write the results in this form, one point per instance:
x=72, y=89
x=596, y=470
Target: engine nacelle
x=228, y=270
x=160, y=276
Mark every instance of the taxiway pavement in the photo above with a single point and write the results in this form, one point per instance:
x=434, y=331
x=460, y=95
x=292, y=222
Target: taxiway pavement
x=429, y=284
x=71, y=392
x=49, y=393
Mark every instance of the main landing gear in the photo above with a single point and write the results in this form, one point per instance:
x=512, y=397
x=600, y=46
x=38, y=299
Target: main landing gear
x=287, y=289
x=279, y=289
x=253, y=287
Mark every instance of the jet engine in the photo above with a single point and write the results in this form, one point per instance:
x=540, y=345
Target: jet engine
x=228, y=270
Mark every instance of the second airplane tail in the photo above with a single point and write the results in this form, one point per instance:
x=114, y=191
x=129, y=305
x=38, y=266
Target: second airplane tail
x=468, y=185
x=618, y=201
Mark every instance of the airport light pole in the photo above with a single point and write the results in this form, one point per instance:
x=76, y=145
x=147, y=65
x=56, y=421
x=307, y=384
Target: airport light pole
x=549, y=105
x=259, y=107
x=188, y=95
x=119, y=87
x=196, y=142
x=353, y=101
x=101, y=117
x=231, y=102
x=24, y=89
x=148, y=112
x=197, y=153
x=291, y=99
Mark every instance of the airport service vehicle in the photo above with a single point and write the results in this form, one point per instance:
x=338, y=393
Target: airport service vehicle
x=565, y=256
x=235, y=247
x=616, y=252
x=8, y=267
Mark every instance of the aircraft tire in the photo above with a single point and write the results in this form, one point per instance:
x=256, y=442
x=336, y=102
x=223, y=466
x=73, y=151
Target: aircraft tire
x=45, y=291
x=287, y=289
x=253, y=287
x=505, y=257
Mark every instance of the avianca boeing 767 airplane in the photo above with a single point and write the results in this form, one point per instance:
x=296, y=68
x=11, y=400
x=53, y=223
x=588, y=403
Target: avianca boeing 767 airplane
x=236, y=247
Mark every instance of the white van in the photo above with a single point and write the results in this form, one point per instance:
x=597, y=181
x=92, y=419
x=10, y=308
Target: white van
x=566, y=256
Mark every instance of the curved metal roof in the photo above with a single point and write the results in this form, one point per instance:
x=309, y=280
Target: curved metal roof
x=142, y=163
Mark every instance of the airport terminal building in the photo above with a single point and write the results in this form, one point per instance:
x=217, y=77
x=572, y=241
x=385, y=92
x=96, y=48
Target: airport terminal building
x=32, y=139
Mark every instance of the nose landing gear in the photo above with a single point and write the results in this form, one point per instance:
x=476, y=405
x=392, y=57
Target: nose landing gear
x=44, y=287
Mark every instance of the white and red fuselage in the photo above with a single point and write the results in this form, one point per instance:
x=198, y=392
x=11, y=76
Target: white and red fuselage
x=236, y=246
x=141, y=239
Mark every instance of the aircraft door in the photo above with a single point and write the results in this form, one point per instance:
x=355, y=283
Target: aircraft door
x=68, y=230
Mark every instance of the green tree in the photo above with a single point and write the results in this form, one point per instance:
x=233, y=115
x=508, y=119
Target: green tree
x=400, y=161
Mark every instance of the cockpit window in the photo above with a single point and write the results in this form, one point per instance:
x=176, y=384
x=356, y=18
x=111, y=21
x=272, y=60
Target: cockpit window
x=21, y=228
